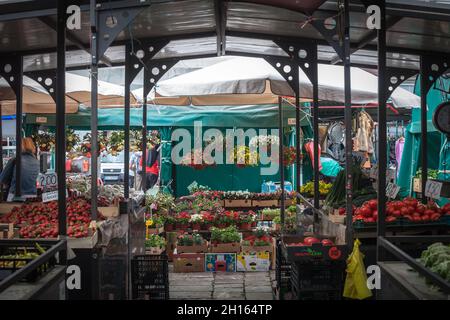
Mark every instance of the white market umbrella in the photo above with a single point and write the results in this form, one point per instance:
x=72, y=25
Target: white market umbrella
x=242, y=75
x=78, y=91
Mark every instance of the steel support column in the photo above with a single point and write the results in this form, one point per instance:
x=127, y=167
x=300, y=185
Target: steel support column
x=281, y=157
x=144, y=144
x=382, y=133
x=128, y=81
x=348, y=126
x=315, y=109
x=94, y=106
x=19, y=101
x=61, y=122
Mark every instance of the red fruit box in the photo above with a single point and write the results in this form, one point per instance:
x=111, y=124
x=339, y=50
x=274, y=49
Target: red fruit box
x=314, y=252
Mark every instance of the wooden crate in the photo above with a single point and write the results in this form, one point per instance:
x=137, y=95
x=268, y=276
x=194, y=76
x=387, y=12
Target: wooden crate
x=265, y=203
x=238, y=203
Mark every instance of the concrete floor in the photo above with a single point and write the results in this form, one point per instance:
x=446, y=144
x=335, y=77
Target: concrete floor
x=222, y=285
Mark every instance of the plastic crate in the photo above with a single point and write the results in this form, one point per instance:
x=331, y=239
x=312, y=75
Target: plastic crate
x=113, y=277
x=150, y=277
x=316, y=295
x=318, y=276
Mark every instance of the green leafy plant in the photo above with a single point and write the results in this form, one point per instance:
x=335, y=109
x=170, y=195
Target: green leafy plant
x=227, y=235
x=190, y=239
x=155, y=241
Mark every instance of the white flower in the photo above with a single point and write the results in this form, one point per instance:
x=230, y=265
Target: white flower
x=196, y=218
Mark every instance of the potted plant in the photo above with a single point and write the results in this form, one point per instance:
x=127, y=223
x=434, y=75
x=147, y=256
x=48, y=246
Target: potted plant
x=191, y=243
x=196, y=220
x=208, y=220
x=260, y=241
x=246, y=220
x=182, y=220
x=169, y=223
x=155, y=244
x=225, y=240
x=154, y=224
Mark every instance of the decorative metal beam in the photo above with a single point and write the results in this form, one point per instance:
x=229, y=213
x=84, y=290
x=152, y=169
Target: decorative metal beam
x=73, y=38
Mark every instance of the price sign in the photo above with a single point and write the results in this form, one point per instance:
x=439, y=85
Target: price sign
x=49, y=184
x=392, y=190
x=390, y=175
x=433, y=189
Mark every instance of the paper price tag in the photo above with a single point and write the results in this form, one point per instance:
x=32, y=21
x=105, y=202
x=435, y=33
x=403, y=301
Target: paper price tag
x=392, y=190
x=433, y=189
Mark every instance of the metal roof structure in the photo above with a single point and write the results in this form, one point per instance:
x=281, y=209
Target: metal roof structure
x=197, y=26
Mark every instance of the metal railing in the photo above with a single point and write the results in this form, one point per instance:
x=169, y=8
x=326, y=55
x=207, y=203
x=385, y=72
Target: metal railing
x=386, y=243
x=56, y=247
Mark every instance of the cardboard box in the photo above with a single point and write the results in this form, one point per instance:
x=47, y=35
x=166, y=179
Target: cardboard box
x=83, y=243
x=234, y=247
x=188, y=262
x=216, y=262
x=238, y=203
x=6, y=207
x=6, y=230
x=193, y=249
x=253, y=262
x=255, y=249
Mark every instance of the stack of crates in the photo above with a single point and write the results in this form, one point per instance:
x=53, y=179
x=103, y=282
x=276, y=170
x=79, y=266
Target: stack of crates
x=317, y=280
x=150, y=277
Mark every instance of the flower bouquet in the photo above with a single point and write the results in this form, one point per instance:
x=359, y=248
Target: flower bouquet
x=246, y=220
x=45, y=141
x=72, y=140
x=189, y=160
x=289, y=155
x=265, y=142
x=258, y=242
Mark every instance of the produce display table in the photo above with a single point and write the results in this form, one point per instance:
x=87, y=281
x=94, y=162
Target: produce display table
x=46, y=288
x=399, y=282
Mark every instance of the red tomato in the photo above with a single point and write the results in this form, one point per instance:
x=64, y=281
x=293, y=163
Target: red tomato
x=341, y=211
x=372, y=204
x=310, y=240
x=404, y=211
x=397, y=213
x=327, y=242
x=435, y=216
x=425, y=218
x=391, y=219
x=420, y=208
x=366, y=212
x=375, y=215
x=429, y=212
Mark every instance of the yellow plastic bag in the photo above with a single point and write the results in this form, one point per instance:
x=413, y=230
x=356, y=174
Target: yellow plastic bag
x=356, y=281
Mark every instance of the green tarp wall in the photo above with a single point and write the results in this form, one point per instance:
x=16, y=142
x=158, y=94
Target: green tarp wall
x=437, y=157
x=168, y=118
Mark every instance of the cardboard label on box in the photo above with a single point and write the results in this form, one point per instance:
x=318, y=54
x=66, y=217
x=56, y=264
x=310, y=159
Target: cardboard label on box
x=253, y=262
x=225, y=262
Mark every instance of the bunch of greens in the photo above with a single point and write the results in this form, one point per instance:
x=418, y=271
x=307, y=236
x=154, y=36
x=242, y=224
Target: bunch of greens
x=437, y=258
x=227, y=235
x=432, y=173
